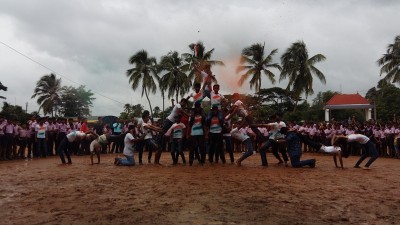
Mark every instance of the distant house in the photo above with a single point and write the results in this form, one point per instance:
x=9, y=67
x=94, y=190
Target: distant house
x=348, y=101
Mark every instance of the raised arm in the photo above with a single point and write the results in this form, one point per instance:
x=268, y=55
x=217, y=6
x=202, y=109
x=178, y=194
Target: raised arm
x=152, y=127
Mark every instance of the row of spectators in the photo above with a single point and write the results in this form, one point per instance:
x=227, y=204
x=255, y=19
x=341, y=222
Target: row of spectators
x=41, y=137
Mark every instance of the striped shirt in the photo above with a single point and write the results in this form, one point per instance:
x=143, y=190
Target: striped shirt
x=197, y=128
x=215, y=126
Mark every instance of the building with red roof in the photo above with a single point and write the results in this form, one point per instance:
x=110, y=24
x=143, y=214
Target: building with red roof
x=348, y=101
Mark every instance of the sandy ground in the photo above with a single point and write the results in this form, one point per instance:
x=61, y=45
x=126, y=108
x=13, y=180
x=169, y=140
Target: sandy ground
x=42, y=192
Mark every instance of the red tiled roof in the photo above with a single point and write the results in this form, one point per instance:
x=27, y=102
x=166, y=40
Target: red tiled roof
x=347, y=99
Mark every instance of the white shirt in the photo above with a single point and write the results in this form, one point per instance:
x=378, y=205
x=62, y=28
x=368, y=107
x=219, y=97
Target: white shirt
x=275, y=128
x=41, y=131
x=242, y=112
x=236, y=134
x=74, y=135
x=146, y=131
x=362, y=139
x=216, y=99
x=128, y=149
x=174, y=112
x=331, y=149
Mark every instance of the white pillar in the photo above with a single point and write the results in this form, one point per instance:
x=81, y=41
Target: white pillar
x=327, y=115
x=368, y=114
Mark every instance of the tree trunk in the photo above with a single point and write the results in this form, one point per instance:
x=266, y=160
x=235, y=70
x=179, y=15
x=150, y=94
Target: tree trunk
x=163, y=107
x=177, y=95
x=147, y=96
x=295, y=105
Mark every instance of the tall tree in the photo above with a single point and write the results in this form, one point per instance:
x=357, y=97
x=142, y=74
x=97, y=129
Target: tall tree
x=3, y=88
x=390, y=62
x=163, y=89
x=175, y=79
x=299, y=69
x=14, y=112
x=254, y=63
x=276, y=98
x=198, y=59
x=128, y=108
x=144, y=72
x=47, y=91
x=137, y=110
x=76, y=102
x=383, y=95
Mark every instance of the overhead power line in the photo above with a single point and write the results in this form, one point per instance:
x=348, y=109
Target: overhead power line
x=53, y=71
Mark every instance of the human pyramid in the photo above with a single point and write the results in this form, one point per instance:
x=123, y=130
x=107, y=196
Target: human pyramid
x=192, y=130
x=204, y=134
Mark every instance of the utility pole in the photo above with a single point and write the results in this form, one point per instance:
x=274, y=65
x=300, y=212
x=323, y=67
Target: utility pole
x=26, y=107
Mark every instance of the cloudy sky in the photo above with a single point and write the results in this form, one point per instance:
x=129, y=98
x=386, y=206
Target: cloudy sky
x=90, y=42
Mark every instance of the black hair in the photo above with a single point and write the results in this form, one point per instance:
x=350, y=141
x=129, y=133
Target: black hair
x=145, y=113
x=342, y=143
x=284, y=130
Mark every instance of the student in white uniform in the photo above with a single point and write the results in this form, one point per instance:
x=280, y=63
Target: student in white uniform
x=129, y=142
x=335, y=151
x=370, y=149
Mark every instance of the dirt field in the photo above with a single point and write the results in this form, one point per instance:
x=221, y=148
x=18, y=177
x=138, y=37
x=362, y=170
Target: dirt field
x=42, y=192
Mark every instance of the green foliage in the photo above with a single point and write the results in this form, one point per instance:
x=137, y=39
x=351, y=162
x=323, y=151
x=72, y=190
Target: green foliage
x=277, y=99
x=131, y=111
x=16, y=112
x=322, y=98
x=174, y=80
x=345, y=114
x=47, y=91
x=124, y=116
x=2, y=88
x=386, y=98
x=144, y=72
x=196, y=63
x=299, y=69
x=390, y=62
x=255, y=64
x=387, y=103
x=76, y=102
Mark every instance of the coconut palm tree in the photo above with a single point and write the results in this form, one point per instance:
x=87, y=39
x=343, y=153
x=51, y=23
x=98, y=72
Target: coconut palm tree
x=175, y=79
x=299, y=69
x=254, y=63
x=163, y=88
x=128, y=108
x=390, y=62
x=48, y=90
x=198, y=59
x=143, y=73
x=3, y=88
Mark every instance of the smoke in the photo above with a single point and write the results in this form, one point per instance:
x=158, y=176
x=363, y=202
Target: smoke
x=228, y=78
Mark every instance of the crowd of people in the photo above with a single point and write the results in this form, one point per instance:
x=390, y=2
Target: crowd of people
x=205, y=136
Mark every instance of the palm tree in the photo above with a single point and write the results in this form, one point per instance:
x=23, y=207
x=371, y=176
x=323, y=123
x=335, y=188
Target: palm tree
x=253, y=61
x=299, y=69
x=198, y=59
x=175, y=79
x=163, y=88
x=48, y=90
x=3, y=88
x=128, y=108
x=144, y=72
x=390, y=62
